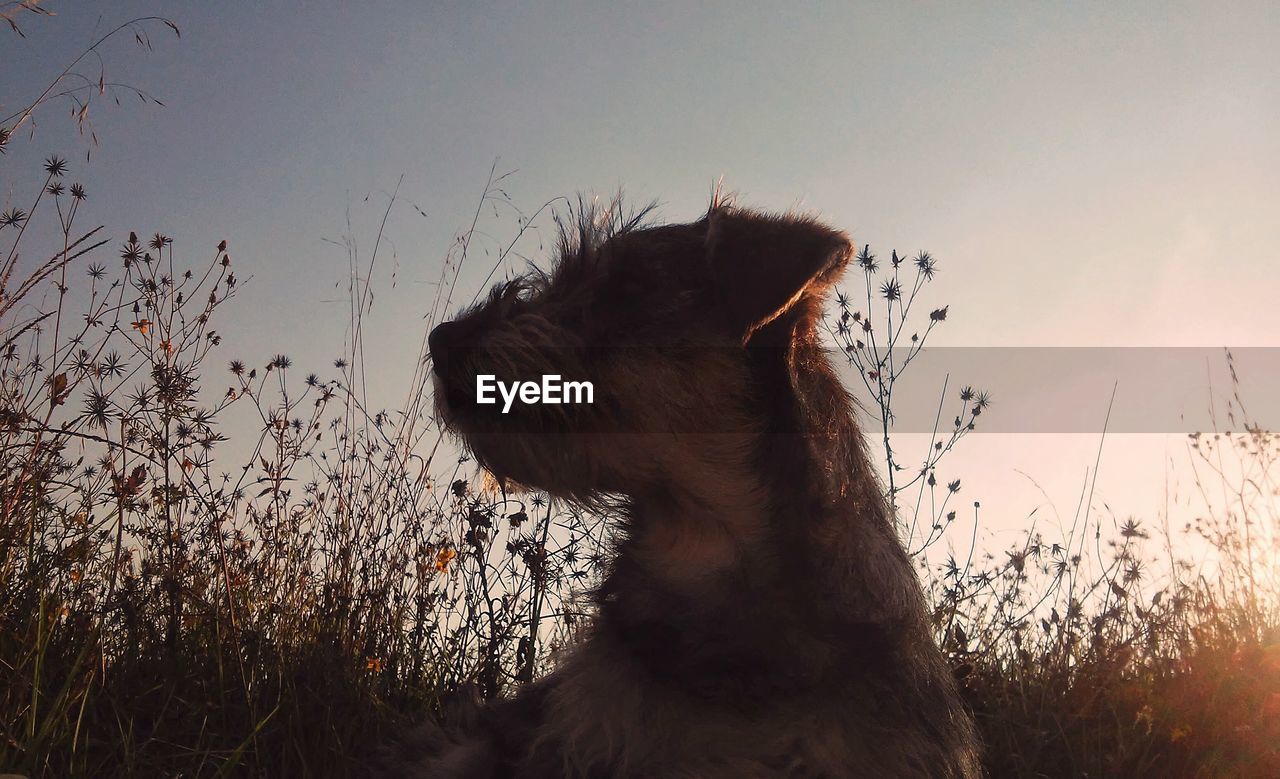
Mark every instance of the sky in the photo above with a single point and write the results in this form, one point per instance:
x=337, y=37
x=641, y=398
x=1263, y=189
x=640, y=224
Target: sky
x=1087, y=174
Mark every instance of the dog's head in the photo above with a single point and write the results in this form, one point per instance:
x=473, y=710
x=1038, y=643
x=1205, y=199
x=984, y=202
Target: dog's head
x=667, y=324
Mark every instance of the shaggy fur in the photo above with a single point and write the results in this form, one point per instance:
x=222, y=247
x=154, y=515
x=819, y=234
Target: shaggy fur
x=761, y=618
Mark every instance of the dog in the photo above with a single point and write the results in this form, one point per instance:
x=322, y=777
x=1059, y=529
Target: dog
x=760, y=617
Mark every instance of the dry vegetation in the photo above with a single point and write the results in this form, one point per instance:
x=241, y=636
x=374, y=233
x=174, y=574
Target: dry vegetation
x=175, y=603
x=1101, y=651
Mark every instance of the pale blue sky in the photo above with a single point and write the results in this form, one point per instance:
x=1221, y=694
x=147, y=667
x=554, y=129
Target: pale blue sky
x=1086, y=173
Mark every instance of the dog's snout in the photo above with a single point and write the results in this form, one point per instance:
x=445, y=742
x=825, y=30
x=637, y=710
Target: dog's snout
x=444, y=337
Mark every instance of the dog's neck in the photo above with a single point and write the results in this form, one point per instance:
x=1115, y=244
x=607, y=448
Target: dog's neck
x=741, y=548
x=793, y=481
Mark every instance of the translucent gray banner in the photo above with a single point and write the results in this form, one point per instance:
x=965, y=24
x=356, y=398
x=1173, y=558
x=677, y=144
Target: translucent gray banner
x=1157, y=390
x=1070, y=389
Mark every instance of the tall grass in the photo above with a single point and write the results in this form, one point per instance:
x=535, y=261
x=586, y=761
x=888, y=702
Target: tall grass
x=1103, y=651
x=166, y=611
x=173, y=602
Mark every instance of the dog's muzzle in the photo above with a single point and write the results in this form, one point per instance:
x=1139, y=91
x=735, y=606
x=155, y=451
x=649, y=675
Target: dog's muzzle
x=444, y=338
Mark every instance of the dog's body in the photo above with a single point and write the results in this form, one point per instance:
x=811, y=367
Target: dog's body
x=760, y=619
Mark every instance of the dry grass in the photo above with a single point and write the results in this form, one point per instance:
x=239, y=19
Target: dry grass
x=1105, y=651
x=166, y=611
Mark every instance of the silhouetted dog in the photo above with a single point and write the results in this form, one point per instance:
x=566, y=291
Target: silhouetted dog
x=761, y=618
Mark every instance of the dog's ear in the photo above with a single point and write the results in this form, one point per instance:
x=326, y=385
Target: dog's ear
x=763, y=266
